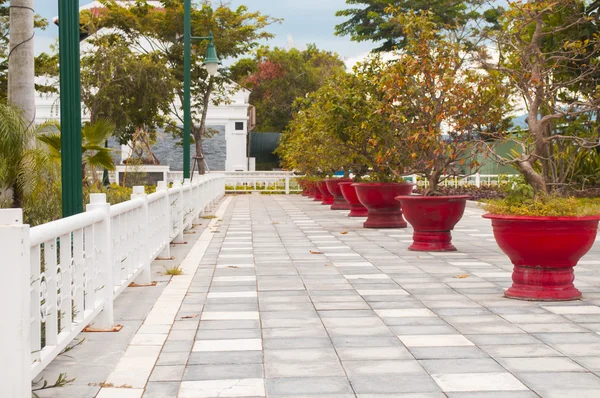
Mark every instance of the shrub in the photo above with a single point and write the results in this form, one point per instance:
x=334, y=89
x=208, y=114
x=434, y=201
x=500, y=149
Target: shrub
x=550, y=206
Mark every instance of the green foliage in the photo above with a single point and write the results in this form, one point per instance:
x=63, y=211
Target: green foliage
x=174, y=271
x=549, y=57
x=135, y=89
x=522, y=200
x=374, y=20
x=277, y=77
x=95, y=154
x=25, y=168
x=548, y=206
x=437, y=102
x=236, y=31
x=338, y=128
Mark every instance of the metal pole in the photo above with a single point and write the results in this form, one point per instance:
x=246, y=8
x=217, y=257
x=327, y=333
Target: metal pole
x=70, y=108
x=187, y=81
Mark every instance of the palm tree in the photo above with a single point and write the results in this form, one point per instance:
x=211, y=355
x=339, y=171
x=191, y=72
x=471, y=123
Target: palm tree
x=95, y=154
x=23, y=167
x=21, y=74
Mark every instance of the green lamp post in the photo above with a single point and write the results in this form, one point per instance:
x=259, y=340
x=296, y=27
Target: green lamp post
x=212, y=65
x=70, y=108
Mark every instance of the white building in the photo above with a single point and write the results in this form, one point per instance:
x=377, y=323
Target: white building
x=233, y=114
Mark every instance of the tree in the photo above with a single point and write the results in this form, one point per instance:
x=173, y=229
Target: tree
x=549, y=55
x=43, y=62
x=338, y=127
x=21, y=67
x=148, y=29
x=94, y=153
x=25, y=169
x=438, y=102
x=373, y=20
x=277, y=77
x=134, y=90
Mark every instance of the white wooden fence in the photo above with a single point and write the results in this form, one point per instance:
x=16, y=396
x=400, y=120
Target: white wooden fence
x=477, y=180
x=62, y=276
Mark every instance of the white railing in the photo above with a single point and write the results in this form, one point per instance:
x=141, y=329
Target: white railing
x=477, y=180
x=62, y=276
x=262, y=181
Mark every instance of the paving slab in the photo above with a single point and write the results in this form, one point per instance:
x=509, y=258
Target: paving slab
x=292, y=299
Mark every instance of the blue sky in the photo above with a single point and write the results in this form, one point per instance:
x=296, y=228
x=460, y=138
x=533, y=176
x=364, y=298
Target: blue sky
x=307, y=21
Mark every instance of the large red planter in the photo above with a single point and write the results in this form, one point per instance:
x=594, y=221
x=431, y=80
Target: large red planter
x=327, y=196
x=378, y=198
x=432, y=218
x=333, y=185
x=544, y=251
x=356, y=208
x=305, y=187
x=316, y=192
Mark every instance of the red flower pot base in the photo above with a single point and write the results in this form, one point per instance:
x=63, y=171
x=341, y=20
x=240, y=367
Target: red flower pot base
x=333, y=185
x=544, y=251
x=549, y=284
x=327, y=196
x=384, y=210
x=349, y=193
x=432, y=241
x=433, y=217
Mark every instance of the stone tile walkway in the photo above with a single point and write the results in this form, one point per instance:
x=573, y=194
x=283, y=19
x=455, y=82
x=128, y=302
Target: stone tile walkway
x=290, y=299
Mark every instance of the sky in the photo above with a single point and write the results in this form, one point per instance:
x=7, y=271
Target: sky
x=306, y=21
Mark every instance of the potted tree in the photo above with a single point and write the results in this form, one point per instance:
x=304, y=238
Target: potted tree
x=346, y=108
x=308, y=148
x=439, y=105
x=549, y=55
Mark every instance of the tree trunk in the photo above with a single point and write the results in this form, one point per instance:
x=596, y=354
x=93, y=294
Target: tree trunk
x=433, y=179
x=200, y=132
x=198, y=138
x=21, y=72
x=532, y=177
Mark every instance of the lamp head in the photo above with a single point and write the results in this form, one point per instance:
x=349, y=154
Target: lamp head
x=211, y=61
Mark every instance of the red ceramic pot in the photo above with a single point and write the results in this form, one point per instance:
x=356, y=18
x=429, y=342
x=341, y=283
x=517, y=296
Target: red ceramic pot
x=317, y=195
x=544, y=251
x=349, y=192
x=378, y=198
x=333, y=185
x=327, y=196
x=305, y=187
x=432, y=218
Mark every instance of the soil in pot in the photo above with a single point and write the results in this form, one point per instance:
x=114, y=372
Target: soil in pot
x=356, y=208
x=384, y=211
x=544, y=251
x=433, y=218
x=333, y=185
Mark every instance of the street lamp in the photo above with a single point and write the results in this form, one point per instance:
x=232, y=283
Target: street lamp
x=211, y=62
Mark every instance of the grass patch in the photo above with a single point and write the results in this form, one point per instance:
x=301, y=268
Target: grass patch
x=208, y=217
x=176, y=270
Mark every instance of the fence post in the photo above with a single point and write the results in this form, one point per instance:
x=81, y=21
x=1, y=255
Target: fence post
x=478, y=180
x=166, y=227
x=15, y=374
x=103, y=260
x=181, y=208
x=415, y=180
x=287, y=184
x=145, y=277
